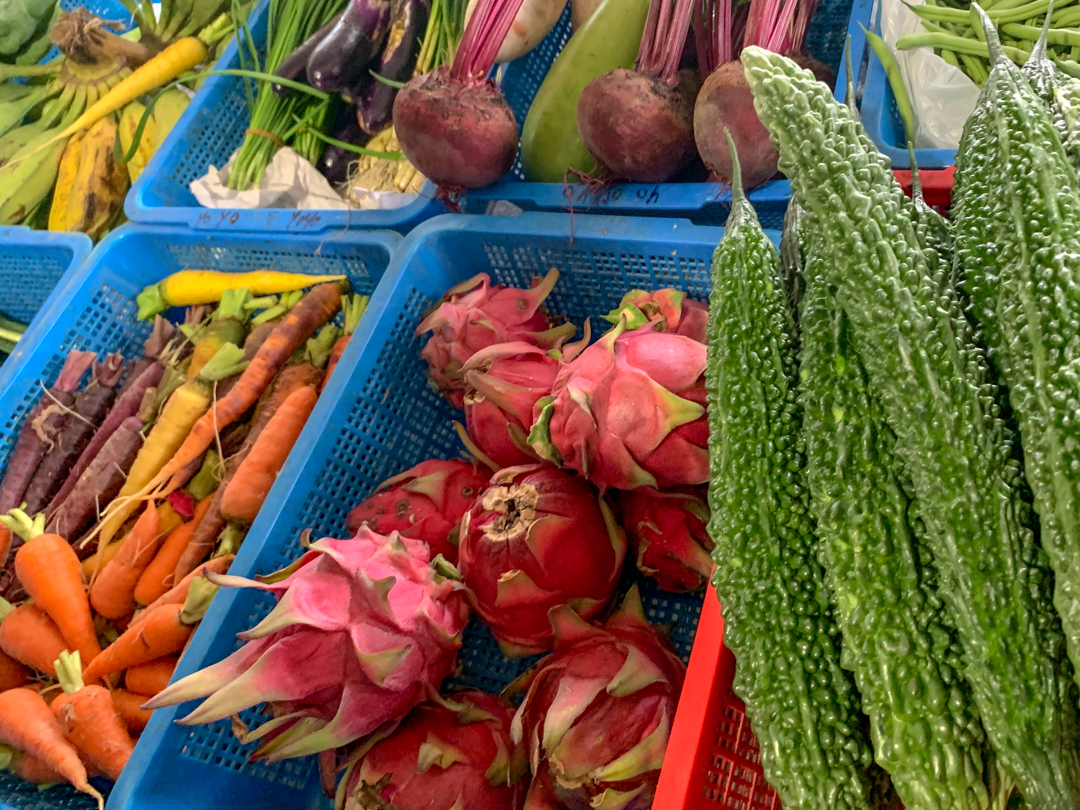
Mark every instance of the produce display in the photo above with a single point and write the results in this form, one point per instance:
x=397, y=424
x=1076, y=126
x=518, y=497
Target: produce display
x=101, y=587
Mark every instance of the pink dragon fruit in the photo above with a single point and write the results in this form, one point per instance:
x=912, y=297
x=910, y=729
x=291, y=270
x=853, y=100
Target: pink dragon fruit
x=536, y=538
x=629, y=412
x=668, y=532
x=670, y=309
x=596, y=718
x=425, y=502
x=363, y=631
x=475, y=314
x=502, y=385
x=443, y=758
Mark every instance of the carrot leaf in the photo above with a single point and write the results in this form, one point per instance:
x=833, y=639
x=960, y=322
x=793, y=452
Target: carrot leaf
x=69, y=672
x=5, y=608
x=200, y=595
x=22, y=524
x=228, y=361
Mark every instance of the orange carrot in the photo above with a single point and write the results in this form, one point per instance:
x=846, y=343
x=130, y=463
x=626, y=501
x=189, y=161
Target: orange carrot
x=50, y=572
x=316, y=308
x=152, y=677
x=97, y=561
x=178, y=594
x=27, y=723
x=12, y=673
x=256, y=475
x=353, y=307
x=89, y=719
x=113, y=592
x=129, y=707
x=158, y=576
x=29, y=636
x=5, y=545
x=28, y=767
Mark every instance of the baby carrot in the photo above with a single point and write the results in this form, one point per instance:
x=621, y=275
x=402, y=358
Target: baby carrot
x=129, y=707
x=158, y=576
x=353, y=307
x=89, y=719
x=30, y=637
x=178, y=594
x=113, y=592
x=50, y=572
x=207, y=287
x=27, y=723
x=5, y=545
x=151, y=677
x=12, y=673
x=27, y=767
x=256, y=475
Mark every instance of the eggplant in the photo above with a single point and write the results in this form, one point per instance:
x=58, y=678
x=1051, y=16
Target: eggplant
x=294, y=66
x=375, y=109
x=342, y=58
x=335, y=161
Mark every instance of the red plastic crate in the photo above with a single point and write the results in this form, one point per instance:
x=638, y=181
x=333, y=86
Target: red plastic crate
x=937, y=186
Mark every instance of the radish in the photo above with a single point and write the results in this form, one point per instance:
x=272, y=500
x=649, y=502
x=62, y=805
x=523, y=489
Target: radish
x=533, y=22
x=640, y=123
x=725, y=100
x=453, y=123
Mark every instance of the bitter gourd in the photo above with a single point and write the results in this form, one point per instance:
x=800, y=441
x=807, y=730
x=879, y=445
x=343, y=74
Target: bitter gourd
x=897, y=642
x=801, y=703
x=1035, y=304
x=949, y=439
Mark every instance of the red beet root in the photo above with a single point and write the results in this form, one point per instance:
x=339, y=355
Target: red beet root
x=639, y=126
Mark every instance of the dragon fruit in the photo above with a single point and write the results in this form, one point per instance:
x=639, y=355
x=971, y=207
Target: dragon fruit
x=629, y=411
x=475, y=314
x=425, y=503
x=443, y=758
x=536, y=538
x=363, y=631
x=669, y=308
x=596, y=718
x=503, y=383
x=668, y=532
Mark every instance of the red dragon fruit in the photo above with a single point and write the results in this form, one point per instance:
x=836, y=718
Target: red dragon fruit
x=363, y=631
x=536, y=538
x=476, y=314
x=503, y=383
x=596, y=718
x=629, y=412
x=425, y=502
x=668, y=533
x=443, y=758
x=669, y=308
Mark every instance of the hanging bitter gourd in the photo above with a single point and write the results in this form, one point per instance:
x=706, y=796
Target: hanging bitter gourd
x=802, y=705
x=1033, y=290
x=949, y=438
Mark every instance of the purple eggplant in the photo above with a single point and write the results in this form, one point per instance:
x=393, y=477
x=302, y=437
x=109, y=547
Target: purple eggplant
x=343, y=56
x=375, y=109
x=335, y=161
x=294, y=65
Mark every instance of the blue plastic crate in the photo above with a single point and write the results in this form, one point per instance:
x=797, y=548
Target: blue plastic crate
x=94, y=309
x=380, y=416
x=32, y=264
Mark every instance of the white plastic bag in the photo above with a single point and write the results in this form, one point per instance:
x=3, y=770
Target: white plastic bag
x=289, y=181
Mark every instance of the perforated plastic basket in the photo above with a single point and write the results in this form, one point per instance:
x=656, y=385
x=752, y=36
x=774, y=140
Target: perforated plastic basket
x=94, y=309
x=31, y=265
x=378, y=417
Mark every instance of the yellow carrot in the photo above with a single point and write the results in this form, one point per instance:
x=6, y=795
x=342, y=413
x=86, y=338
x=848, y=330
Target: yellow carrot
x=189, y=287
x=182, y=410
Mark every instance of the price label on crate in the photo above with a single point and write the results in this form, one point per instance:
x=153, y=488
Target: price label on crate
x=260, y=220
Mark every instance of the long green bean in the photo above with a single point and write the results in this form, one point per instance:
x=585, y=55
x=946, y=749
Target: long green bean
x=1055, y=36
x=959, y=44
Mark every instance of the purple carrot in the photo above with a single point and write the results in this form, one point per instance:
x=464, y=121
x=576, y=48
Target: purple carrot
x=40, y=428
x=99, y=483
x=153, y=348
x=127, y=404
x=90, y=407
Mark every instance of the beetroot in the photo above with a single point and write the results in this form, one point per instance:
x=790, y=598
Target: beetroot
x=639, y=123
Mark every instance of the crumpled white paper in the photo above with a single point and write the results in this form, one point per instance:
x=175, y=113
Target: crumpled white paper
x=290, y=181
x=942, y=96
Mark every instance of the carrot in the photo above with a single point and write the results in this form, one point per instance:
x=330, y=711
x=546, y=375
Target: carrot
x=256, y=475
x=353, y=307
x=29, y=636
x=129, y=707
x=226, y=326
x=49, y=570
x=113, y=592
x=316, y=308
x=163, y=632
x=151, y=677
x=158, y=576
x=12, y=673
x=89, y=719
x=97, y=561
x=182, y=410
x=27, y=723
x=5, y=545
x=28, y=767
x=178, y=594
x=208, y=286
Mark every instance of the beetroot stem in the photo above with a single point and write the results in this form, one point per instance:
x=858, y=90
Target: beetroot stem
x=484, y=35
x=662, y=41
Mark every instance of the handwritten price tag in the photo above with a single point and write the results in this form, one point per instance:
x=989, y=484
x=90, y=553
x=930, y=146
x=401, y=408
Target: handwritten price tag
x=621, y=196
